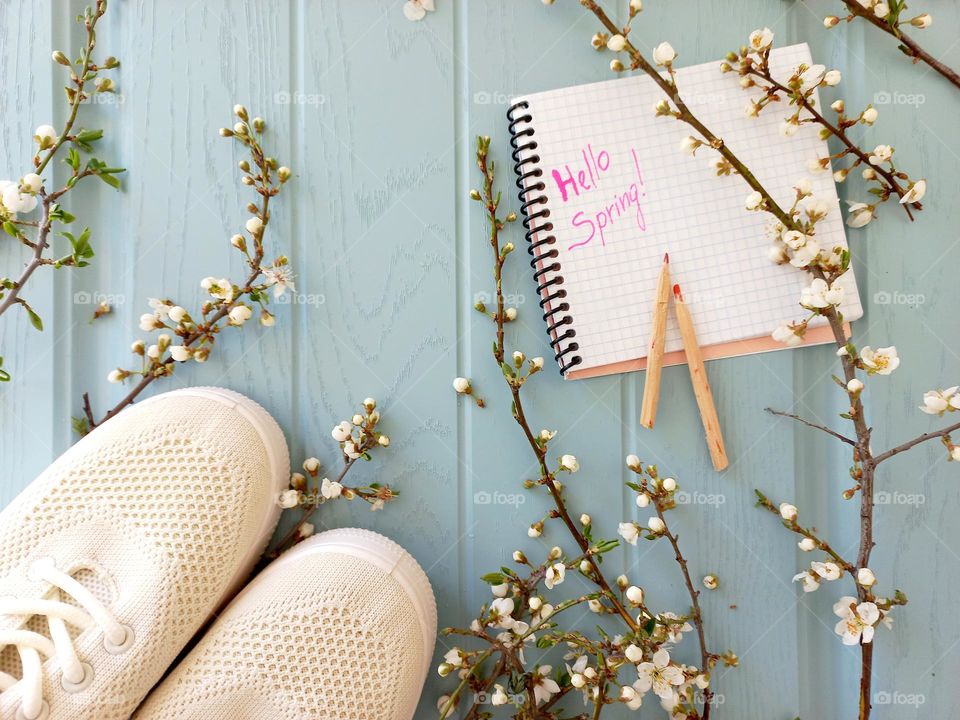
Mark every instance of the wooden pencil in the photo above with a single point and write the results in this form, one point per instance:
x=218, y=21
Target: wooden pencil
x=658, y=332
x=701, y=386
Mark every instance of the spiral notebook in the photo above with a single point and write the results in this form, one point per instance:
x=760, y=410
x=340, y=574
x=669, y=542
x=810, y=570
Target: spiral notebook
x=606, y=191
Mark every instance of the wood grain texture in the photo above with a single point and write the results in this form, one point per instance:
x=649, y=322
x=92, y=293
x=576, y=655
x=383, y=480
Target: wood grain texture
x=376, y=115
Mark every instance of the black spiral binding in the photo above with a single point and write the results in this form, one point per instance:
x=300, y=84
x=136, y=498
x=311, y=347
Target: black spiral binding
x=547, y=276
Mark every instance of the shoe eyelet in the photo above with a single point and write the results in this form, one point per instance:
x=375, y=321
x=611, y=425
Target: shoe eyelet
x=43, y=715
x=84, y=683
x=118, y=649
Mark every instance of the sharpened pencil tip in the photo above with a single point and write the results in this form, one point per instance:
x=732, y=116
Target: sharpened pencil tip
x=666, y=258
x=676, y=292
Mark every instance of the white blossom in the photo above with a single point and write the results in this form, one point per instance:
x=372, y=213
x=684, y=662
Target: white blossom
x=342, y=431
x=555, y=575
x=818, y=294
x=240, y=314
x=45, y=136
x=788, y=511
x=461, y=384
x=664, y=54
x=859, y=214
x=544, y=687
x=937, y=402
x=753, y=201
x=760, y=39
x=616, y=43
x=881, y=361
x=857, y=622
x=569, y=463
x=417, y=9
x=181, y=353
x=659, y=675
x=866, y=577
x=869, y=116
x=629, y=531
x=330, y=489
x=915, y=193
x=289, y=498
x=880, y=154
x=785, y=333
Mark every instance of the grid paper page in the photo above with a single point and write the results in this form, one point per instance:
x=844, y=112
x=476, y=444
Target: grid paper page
x=621, y=193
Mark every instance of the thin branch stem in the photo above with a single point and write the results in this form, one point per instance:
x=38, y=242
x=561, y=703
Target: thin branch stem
x=822, y=428
x=909, y=46
x=916, y=441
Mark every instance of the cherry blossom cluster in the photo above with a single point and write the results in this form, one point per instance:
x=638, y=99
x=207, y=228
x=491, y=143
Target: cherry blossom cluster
x=506, y=654
x=183, y=335
x=357, y=438
x=859, y=617
x=799, y=94
x=20, y=198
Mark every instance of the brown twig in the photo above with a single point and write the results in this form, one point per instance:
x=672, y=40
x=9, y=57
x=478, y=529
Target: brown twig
x=909, y=46
x=838, y=436
x=694, y=601
x=916, y=441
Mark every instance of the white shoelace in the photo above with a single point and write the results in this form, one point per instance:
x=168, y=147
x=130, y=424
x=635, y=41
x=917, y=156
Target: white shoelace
x=33, y=646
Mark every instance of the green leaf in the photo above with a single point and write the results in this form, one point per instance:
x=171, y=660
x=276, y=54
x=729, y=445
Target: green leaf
x=34, y=318
x=88, y=136
x=73, y=159
x=10, y=229
x=109, y=180
x=80, y=425
x=4, y=375
x=493, y=579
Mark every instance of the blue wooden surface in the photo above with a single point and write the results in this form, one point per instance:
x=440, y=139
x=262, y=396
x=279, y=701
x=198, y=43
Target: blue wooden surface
x=376, y=115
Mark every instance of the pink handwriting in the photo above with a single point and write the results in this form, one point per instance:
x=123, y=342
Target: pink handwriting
x=624, y=203
x=585, y=178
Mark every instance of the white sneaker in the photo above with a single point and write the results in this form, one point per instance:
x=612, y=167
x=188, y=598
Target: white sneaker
x=120, y=551
x=341, y=627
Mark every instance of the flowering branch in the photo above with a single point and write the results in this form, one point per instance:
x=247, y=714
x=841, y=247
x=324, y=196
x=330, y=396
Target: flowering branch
x=886, y=17
x=519, y=614
x=753, y=63
x=357, y=438
x=230, y=304
x=822, y=428
x=795, y=232
x=22, y=197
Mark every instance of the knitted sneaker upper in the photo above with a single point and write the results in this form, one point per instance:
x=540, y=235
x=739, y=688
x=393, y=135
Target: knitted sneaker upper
x=155, y=513
x=324, y=635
